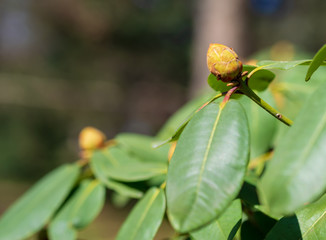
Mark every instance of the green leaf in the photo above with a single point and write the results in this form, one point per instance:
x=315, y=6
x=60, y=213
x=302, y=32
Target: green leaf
x=32, y=211
x=309, y=223
x=296, y=174
x=208, y=166
x=145, y=218
x=217, y=85
x=316, y=62
x=225, y=227
x=259, y=80
x=120, y=188
x=118, y=165
x=173, y=123
x=140, y=146
x=79, y=211
x=282, y=65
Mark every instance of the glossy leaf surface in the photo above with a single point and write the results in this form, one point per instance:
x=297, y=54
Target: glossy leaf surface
x=79, y=211
x=225, y=227
x=296, y=174
x=308, y=224
x=116, y=164
x=145, y=218
x=32, y=211
x=208, y=166
x=316, y=62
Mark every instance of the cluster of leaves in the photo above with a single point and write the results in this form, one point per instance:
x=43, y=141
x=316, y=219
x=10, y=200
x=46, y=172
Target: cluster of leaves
x=235, y=171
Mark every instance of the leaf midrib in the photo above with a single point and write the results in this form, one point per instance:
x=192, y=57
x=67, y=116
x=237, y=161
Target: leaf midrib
x=205, y=160
x=84, y=196
x=316, y=222
x=34, y=202
x=142, y=218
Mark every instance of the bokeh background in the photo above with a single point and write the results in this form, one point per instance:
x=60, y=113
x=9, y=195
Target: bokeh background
x=121, y=66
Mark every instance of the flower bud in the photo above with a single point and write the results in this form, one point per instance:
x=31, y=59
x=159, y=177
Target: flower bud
x=223, y=62
x=91, y=138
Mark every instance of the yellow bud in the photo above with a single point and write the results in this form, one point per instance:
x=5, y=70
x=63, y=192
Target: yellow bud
x=223, y=62
x=91, y=138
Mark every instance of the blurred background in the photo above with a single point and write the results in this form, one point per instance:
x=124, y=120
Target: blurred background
x=121, y=66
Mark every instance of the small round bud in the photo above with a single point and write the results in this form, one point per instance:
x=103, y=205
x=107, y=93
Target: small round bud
x=91, y=138
x=223, y=62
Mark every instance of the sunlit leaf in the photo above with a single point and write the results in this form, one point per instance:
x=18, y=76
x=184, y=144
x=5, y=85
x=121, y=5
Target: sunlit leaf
x=309, y=223
x=79, y=211
x=120, y=188
x=32, y=211
x=207, y=169
x=118, y=165
x=145, y=218
x=296, y=174
x=316, y=62
x=225, y=227
x=282, y=65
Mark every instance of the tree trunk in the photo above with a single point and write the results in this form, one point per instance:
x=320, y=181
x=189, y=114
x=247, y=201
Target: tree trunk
x=216, y=21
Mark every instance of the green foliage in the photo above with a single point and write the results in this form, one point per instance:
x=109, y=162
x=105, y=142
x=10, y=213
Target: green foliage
x=225, y=227
x=287, y=185
x=79, y=211
x=217, y=85
x=118, y=165
x=259, y=80
x=212, y=189
x=146, y=217
x=308, y=223
x=205, y=174
x=32, y=211
x=316, y=62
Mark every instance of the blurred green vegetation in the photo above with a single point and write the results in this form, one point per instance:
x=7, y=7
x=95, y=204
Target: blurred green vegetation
x=117, y=65
x=121, y=66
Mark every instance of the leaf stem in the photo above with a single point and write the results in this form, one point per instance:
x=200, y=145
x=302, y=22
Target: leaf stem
x=253, y=96
x=227, y=96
